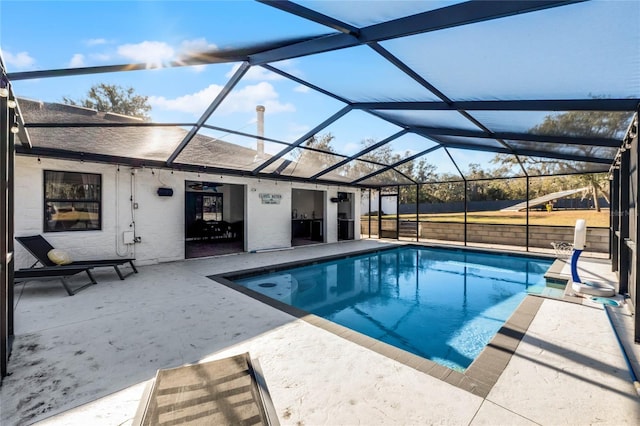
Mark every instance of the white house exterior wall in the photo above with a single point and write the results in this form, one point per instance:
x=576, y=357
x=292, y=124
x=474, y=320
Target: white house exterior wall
x=268, y=226
x=159, y=221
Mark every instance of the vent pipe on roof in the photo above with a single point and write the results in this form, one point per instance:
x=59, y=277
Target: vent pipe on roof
x=260, y=141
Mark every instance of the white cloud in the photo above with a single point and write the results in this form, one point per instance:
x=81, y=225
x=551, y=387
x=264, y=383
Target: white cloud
x=150, y=52
x=196, y=45
x=95, y=41
x=77, y=61
x=194, y=103
x=190, y=48
x=301, y=89
x=19, y=60
x=255, y=74
x=156, y=52
x=246, y=99
x=243, y=101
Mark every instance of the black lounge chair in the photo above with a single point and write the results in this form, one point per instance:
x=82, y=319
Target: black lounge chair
x=39, y=248
x=54, y=272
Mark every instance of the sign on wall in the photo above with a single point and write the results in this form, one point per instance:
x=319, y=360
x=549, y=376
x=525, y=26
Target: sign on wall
x=270, y=198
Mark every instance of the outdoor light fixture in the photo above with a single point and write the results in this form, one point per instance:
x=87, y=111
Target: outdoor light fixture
x=11, y=103
x=165, y=192
x=15, y=128
x=4, y=86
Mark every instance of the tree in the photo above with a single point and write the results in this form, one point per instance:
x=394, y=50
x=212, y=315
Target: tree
x=311, y=162
x=321, y=142
x=602, y=124
x=113, y=98
x=585, y=124
x=358, y=169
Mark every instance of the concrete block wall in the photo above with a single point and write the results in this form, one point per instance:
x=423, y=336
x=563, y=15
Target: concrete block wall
x=539, y=236
x=542, y=236
x=442, y=231
x=497, y=234
x=159, y=221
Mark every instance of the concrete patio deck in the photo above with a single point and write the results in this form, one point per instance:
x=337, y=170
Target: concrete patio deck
x=86, y=359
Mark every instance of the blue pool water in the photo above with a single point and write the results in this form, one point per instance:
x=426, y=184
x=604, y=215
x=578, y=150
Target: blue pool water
x=444, y=305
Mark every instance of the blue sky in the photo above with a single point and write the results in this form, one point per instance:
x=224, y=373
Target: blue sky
x=76, y=34
x=574, y=51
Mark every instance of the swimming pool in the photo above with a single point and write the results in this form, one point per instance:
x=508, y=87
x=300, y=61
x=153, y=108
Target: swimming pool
x=441, y=304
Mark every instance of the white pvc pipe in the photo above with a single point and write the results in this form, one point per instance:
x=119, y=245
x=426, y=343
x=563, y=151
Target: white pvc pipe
x=580, y=235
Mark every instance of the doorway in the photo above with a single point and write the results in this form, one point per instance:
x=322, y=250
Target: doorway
x=388, y=218
x=307, y=217
x=345, y=216
x=214, y=219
